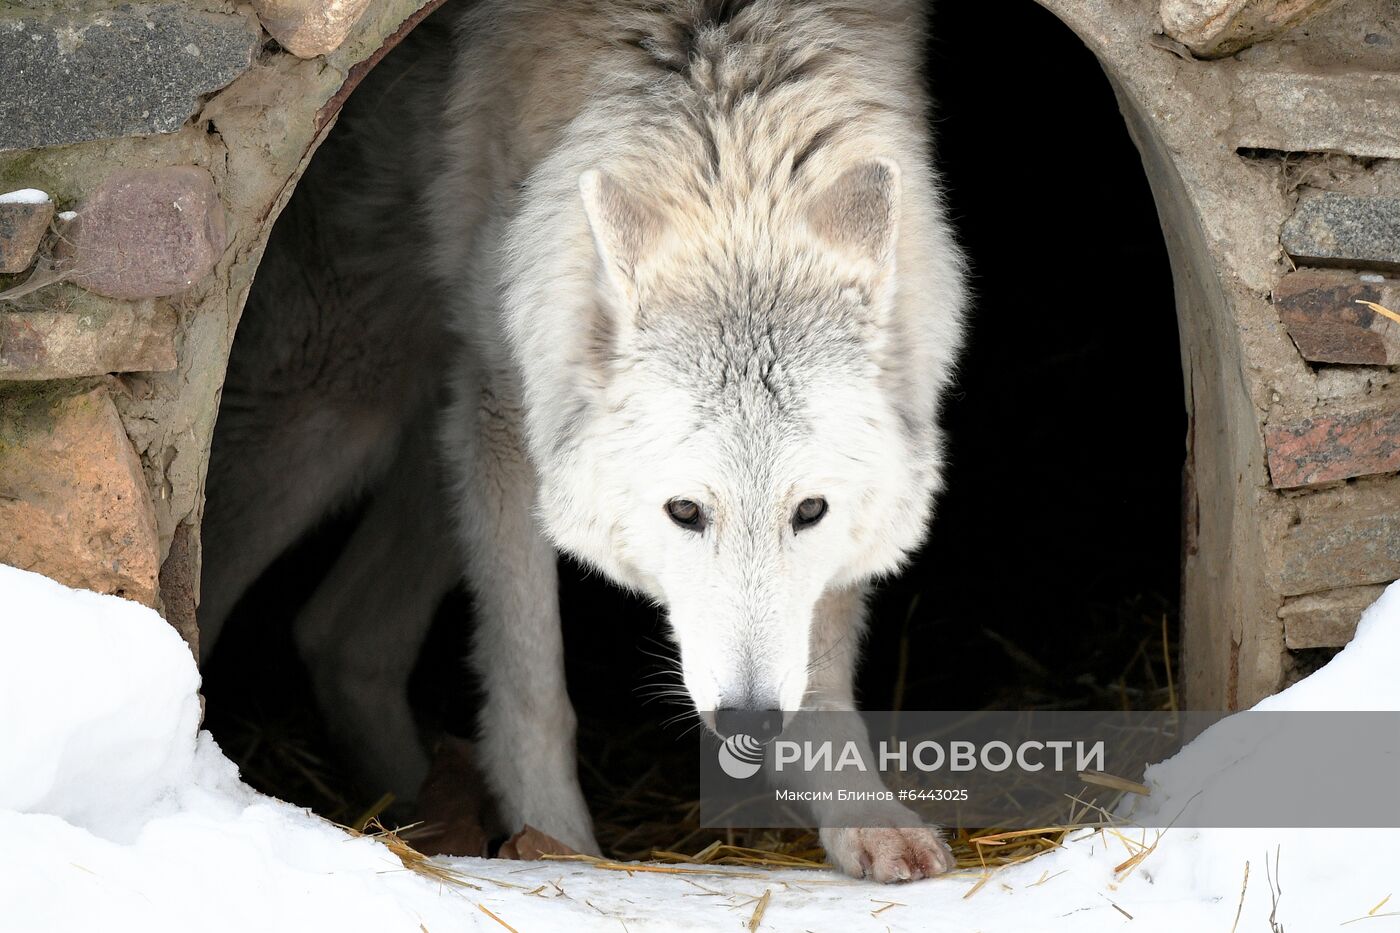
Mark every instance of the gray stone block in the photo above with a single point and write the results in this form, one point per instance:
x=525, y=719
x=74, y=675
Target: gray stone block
x=131, y=71
x=1345, y=230
x=1326, y=620
x=1319, y=111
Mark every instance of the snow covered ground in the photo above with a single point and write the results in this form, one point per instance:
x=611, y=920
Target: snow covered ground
x=115, y=814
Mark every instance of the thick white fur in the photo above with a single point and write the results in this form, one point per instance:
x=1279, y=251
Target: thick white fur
x=695, y=250
x=691, y=249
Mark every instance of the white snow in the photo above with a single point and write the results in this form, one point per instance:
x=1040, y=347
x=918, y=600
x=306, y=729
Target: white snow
x=25, y=196
x=115, y=814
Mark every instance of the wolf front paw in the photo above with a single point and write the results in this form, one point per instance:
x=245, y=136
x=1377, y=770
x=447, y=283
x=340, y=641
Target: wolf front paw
x=888, y=854
x=578, y=838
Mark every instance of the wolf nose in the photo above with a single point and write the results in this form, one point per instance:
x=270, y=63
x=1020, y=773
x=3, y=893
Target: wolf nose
x=762, y=724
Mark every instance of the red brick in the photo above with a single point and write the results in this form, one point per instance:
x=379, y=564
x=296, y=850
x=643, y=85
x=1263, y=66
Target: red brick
x=1326, y=448
x=1320, y=309
x=73, y=499
x=146, y=233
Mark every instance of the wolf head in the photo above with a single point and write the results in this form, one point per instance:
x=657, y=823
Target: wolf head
x=753, y=444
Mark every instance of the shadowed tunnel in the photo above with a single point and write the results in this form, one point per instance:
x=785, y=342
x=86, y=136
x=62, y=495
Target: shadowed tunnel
x=1051, y=574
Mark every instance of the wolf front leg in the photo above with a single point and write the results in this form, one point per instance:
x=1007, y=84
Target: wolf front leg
x=888, y=842
x=526, y=724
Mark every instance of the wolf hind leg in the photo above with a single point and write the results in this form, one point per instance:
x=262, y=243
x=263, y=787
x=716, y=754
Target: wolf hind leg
x=361, y=632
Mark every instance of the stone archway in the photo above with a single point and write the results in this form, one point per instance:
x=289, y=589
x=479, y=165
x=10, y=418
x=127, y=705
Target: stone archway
x=1283, y=153
x=1260, y=163
x=227, y=130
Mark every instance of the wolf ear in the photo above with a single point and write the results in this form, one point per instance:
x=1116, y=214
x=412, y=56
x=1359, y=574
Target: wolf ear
x=858, y=215
x=624, y=230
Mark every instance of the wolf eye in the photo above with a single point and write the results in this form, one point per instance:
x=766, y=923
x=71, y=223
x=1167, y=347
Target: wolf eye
x=808, y=513
x=687, y=514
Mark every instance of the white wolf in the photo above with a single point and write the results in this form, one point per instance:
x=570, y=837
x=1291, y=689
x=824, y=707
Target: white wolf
x=707, y=304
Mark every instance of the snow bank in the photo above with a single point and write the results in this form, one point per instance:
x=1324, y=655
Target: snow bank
x=115, y=816
x=97, y=709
